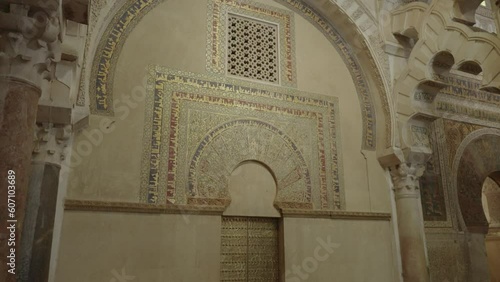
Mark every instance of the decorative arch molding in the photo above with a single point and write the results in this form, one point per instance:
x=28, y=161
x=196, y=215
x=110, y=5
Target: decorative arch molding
x=355, y=26
x=433, y=26
x=248, y=140
x=373, y=90
x=465, y=11
x=474, y=167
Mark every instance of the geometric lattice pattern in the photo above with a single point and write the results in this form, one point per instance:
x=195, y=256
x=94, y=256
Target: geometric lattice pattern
x=252, y=49
x=249, y=249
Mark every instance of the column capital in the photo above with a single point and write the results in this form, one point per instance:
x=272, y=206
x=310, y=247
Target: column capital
x=29, y=43
x=406, y=179
x=51, y=143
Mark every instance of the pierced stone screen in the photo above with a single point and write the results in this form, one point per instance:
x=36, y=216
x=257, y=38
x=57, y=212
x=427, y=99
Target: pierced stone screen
x=252, y=49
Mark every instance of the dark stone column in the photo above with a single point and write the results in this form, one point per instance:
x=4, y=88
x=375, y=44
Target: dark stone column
x=18, y=105
x=36, y=242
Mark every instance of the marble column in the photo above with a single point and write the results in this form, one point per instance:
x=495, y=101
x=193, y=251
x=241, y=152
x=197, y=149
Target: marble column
x=18, y=104
x=410, y=221
x=28, y=48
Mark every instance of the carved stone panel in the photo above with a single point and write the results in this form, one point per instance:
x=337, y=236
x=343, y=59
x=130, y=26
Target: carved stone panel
x=431, y=183
x=200, y=128
x=266, y=23
x=252, y=49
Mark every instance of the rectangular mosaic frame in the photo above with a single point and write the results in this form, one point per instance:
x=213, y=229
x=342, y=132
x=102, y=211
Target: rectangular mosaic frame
x=217, y=35
x=160, y=176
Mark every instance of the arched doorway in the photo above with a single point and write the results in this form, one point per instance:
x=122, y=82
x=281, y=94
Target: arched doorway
x=476, y=165
x=250, y=235
x=491, y=205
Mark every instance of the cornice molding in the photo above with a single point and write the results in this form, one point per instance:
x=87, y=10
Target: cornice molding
x=128, y=207
x=334, y=214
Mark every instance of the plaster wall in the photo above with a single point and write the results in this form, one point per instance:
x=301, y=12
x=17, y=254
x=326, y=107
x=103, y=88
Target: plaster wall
x=101, y=246
x=347, y=250
x=164, y=247
x=110, y=169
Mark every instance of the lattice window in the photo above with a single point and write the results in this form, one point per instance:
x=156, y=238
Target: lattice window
x=249, y=249
x=252, y=49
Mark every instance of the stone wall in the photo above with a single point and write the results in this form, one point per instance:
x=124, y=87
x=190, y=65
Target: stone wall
x=161, y=105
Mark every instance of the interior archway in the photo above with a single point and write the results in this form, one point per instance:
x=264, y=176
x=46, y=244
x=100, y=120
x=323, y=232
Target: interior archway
x=476, y=161
x=252, y=189
x=491, y=204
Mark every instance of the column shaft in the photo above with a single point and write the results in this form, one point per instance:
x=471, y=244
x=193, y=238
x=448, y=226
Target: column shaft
x=410, y=221
x=411, y=239
x=18, y=107
x=38, y=226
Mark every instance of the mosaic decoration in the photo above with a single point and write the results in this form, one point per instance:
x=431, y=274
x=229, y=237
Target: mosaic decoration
x=122, y=24
x=249, y=249
x=217, y=34
x=479, y=159
x=352, y=63
x=252, y=49
x=199, y=128
x=455, y=133
x=248, y=139
x=431, y=185
x=96, y=6
x=108, y=51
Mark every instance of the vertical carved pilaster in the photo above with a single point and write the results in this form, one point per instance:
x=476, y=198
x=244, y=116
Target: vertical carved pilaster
x=410, y=221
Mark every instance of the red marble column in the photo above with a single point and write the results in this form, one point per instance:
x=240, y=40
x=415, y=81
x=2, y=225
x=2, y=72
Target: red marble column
x=18, y=107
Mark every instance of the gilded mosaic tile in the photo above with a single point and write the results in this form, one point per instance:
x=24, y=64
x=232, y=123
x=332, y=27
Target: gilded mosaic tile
x=199, y=128
x=217, y=34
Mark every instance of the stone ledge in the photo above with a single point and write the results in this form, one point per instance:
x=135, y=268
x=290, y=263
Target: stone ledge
x=127, y=207
x=124, y=207
x=333, y=214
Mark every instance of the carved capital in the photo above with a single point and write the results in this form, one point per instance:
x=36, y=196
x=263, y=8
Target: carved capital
x=405, y=178
x=29, y=43
x=51, y=143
